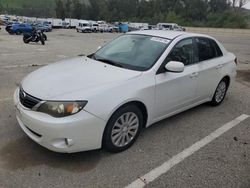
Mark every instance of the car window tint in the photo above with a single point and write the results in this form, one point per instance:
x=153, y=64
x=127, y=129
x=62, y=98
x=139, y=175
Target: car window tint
x=207, y=49
x=182, y=52
x=218, y=52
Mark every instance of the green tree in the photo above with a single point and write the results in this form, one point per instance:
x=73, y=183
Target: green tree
x=77, y=10
x=68, y=8
x=60, y=9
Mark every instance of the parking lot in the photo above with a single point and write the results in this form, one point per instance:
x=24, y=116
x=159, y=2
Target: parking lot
x=224, y=161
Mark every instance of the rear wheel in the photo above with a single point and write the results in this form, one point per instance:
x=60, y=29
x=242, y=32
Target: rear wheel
x=18, y=32
x=123, y=128
x=25, y=40
x=220, y=92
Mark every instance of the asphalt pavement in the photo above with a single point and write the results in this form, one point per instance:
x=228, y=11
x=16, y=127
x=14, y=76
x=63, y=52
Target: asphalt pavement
x=223, y=162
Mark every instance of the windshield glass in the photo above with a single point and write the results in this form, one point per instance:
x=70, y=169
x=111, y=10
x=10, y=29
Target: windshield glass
x=166, y=26
x=136, y=52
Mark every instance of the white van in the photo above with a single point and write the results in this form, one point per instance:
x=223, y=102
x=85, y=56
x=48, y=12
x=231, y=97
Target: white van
x=169, y=26
x=94, y=26
x=83, y=26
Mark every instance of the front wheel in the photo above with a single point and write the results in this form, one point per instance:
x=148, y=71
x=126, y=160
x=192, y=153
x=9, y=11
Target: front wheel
x=220, y=93
x=42, y=41
x=123, y=128
x=45, y=37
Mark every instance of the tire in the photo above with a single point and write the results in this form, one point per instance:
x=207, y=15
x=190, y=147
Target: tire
x=42, y=41
x=122, y=129
x=18, y=32
x=220, y=93
x=45, y=37
x=26, y=41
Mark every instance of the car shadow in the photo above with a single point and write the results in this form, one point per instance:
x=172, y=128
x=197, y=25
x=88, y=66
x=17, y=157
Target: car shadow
x=23, y=153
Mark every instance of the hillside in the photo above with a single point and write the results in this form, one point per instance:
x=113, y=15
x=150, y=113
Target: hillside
x=36, y=8
x=30, y=7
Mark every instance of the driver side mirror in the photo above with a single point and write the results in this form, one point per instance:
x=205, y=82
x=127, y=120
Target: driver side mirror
x=175, y=66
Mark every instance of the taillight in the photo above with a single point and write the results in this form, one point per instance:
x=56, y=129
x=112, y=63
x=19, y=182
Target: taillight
x=236, y=61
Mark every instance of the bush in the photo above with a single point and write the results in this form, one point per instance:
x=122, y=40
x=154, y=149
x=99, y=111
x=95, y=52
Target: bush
x=227, y=19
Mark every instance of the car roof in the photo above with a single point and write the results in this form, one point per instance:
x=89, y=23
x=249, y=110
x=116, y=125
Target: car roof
x=167, y=34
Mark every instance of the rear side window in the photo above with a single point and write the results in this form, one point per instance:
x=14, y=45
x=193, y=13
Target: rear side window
x=207, y=49
x=216, y=48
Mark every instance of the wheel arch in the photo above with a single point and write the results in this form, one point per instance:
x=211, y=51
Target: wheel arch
x=137, y=103
x=228, y=80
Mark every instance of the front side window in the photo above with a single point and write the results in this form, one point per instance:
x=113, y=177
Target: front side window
x=136, y=52
x=182, y=52
x=207, y=49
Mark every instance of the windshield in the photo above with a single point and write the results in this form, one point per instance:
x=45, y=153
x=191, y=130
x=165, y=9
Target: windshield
x=135, y=52
x=166, y=26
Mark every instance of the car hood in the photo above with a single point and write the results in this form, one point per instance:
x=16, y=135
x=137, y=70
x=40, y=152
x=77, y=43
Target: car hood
x=78, y=74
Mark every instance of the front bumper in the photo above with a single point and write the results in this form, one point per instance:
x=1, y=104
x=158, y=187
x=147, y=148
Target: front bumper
x=80, y=132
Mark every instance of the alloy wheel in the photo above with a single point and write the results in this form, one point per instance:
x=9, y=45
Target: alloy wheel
x=125, y=129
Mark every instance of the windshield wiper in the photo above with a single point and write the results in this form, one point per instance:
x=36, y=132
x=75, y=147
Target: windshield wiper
x=110, y=62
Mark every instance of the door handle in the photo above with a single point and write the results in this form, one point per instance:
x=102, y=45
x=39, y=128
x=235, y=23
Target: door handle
x=194, y=75
x=219, y=66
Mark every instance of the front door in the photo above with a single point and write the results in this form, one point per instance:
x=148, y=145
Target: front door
x=174, y=91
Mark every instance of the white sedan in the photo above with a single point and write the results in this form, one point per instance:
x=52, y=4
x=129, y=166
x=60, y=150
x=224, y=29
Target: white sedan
x=105, y=99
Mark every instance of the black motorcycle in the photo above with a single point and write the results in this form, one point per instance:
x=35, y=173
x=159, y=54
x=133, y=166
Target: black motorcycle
x=35, y=36
x=7, y=28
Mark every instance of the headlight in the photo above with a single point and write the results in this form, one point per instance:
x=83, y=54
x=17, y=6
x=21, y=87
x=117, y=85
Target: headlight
x=61, y=109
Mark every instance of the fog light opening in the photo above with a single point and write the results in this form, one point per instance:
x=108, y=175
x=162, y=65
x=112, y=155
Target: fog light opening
x=69, y=142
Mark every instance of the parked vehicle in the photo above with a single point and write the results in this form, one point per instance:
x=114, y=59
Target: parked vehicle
x=95, y=27
x=7, y=28
x=42, y=27
x=35, y=36
x=56, y=23
x=48, y=23
x=65, y=25
x=84, y=27
x=73, y=23
x=105, y=28
x=139, y=26
x=170, y=26
x=132, y=82
x=19, y=28
x=123, y=28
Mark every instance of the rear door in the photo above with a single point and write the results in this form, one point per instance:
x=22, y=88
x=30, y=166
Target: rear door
x=210, y=64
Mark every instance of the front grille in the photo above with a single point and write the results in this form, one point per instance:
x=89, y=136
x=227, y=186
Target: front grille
x=27, y=100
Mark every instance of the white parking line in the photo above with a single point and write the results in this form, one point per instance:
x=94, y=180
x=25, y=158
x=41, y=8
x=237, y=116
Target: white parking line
x=5, y=99
x=166, y=166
